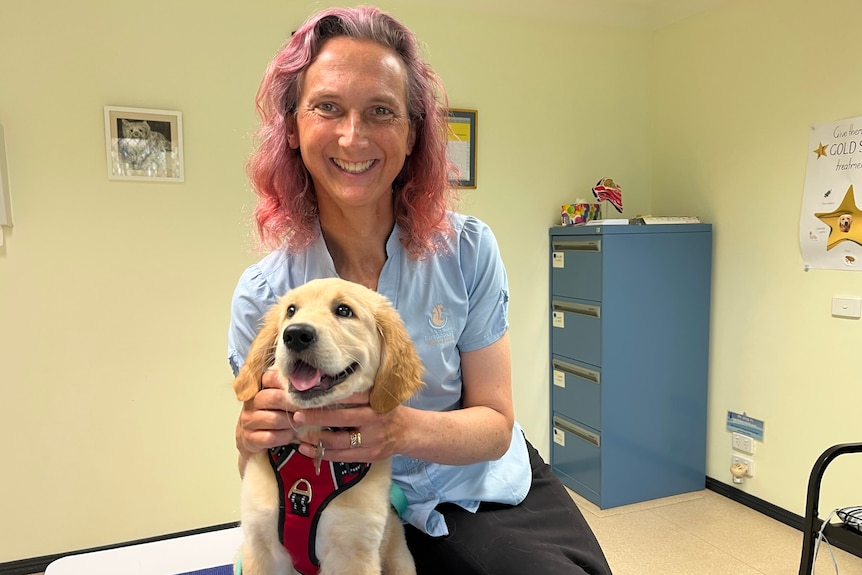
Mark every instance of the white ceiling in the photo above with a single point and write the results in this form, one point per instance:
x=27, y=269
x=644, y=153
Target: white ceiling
x=628, y=13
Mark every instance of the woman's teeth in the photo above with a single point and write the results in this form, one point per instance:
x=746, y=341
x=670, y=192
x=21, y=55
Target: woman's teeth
x=353, y=167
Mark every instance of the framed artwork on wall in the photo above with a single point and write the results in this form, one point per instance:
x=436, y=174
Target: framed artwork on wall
x=5, y=198
x=461, y=146
x=144, y=144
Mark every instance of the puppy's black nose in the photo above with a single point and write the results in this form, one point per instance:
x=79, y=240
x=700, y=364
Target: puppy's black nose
x=299, y=336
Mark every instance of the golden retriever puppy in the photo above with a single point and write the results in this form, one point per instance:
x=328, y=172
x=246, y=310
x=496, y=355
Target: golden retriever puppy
x=327, y=339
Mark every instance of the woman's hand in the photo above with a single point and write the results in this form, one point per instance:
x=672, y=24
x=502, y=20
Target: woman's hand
x=363, y=434
x=265, y=420
x=268, y=420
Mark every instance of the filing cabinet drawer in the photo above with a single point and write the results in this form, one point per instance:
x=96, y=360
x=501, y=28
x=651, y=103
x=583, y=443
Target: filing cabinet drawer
x=576, y=267
x=577, y=392
x=576, y=331
x=576, y=453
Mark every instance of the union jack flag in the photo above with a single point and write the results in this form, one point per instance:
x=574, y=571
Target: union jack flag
x=606, y=189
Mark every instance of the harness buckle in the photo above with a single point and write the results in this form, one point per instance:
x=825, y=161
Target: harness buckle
x=300, y=497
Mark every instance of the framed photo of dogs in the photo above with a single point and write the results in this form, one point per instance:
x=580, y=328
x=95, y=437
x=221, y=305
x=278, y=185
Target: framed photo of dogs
x=144, y=145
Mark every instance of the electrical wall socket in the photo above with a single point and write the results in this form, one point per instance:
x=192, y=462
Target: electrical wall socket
x=749, y=463
x=742, y=443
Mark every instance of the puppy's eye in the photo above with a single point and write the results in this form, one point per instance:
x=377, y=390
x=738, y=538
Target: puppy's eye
x=343, y=310
x=291, y=310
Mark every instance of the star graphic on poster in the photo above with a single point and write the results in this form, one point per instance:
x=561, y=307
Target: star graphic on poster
x=821, y=151
x=845, y=222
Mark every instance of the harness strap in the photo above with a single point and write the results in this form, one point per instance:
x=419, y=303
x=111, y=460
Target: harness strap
x=303, y=495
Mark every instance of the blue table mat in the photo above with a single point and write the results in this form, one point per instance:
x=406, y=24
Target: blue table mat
x=220, y=570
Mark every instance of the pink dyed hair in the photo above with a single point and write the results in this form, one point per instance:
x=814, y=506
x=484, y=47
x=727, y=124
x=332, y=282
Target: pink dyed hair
x=287, y=205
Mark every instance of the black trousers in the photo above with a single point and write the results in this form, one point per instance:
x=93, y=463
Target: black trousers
x=546, y=533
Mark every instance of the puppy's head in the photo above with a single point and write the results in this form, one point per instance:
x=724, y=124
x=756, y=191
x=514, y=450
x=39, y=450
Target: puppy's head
x=331, y=338
x=844, y=222
x=136, y=129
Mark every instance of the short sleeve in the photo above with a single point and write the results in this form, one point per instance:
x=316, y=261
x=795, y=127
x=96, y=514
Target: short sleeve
x=251, y=298
x=487, y=286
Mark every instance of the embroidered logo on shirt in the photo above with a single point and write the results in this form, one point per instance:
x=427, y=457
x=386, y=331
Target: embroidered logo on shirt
x=438, y=321
x=438, y=318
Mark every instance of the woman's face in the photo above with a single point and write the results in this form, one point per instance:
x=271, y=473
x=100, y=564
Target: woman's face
x=352, y=125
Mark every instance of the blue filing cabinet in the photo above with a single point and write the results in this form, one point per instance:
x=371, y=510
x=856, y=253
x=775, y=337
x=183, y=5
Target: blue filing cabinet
x=629, y=341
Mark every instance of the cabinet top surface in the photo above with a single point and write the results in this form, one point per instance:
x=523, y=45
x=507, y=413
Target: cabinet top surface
x=592, y=230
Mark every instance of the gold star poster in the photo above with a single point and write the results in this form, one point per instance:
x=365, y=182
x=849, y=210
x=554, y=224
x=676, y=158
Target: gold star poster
x=830, y=228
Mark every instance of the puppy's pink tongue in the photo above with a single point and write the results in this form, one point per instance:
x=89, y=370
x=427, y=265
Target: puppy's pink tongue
x=305, y=377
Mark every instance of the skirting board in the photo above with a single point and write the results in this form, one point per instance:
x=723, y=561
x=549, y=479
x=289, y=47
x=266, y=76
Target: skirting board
x=757, y=504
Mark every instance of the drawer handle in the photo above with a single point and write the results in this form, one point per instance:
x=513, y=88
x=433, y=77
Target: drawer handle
x=577, y=371
x=577, y=245
x=578, y=308
x=587, y=436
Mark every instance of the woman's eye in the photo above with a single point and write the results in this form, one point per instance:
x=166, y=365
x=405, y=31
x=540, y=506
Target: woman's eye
x=327, y=108
x=343, y=311
x=382, y=111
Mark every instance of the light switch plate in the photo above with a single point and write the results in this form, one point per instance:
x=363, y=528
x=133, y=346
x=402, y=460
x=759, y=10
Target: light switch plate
x=847, y=307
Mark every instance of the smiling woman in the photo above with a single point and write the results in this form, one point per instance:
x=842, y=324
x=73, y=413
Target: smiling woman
x=352, y=128
x=353, y=180
x=287, y=208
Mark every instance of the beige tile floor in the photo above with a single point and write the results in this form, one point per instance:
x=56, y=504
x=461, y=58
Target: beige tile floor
x=702, y=533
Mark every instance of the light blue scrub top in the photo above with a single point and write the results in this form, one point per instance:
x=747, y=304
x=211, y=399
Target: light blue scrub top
x=452, y=302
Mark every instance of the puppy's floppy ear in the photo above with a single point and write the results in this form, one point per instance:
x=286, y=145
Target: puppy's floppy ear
x=260, y=356
x=400, y=373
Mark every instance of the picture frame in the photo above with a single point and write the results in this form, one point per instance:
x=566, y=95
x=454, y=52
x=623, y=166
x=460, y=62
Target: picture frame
x=5, y=195
x=461, y=147
x=144, y=144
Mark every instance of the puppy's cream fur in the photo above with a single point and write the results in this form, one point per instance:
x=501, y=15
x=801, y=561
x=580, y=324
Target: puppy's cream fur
x=358, y=532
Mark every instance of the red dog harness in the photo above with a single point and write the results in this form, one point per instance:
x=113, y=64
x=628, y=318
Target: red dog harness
x=303, y=495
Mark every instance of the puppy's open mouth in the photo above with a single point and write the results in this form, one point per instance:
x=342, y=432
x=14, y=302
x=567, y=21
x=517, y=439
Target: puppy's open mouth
x=308, y=380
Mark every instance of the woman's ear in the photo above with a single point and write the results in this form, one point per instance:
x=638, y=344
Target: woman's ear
x=411, y=139
x=291, y=131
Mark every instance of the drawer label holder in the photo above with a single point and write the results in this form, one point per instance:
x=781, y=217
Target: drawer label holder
x=561, y=368
x=577, y=430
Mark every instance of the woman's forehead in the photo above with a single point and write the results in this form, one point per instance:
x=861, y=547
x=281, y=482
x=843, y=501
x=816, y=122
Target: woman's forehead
x=344, y=63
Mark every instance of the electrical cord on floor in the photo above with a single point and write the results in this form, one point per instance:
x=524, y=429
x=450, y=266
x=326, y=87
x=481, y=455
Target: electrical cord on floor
x=821, y=537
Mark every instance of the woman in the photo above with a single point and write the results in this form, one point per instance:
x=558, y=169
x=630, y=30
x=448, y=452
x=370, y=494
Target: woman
x=352, y=176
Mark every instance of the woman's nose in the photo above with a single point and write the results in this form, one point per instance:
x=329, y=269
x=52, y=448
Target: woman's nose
x=353, y=130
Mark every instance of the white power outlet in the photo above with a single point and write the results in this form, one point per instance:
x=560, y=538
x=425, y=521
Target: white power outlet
x=748, y=463
x=744, y=443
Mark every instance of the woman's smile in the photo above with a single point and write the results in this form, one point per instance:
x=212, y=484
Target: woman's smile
x=354, y=167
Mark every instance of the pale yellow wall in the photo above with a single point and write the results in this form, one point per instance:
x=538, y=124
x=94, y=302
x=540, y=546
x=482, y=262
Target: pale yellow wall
x=736, y=91
x=117, y=411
